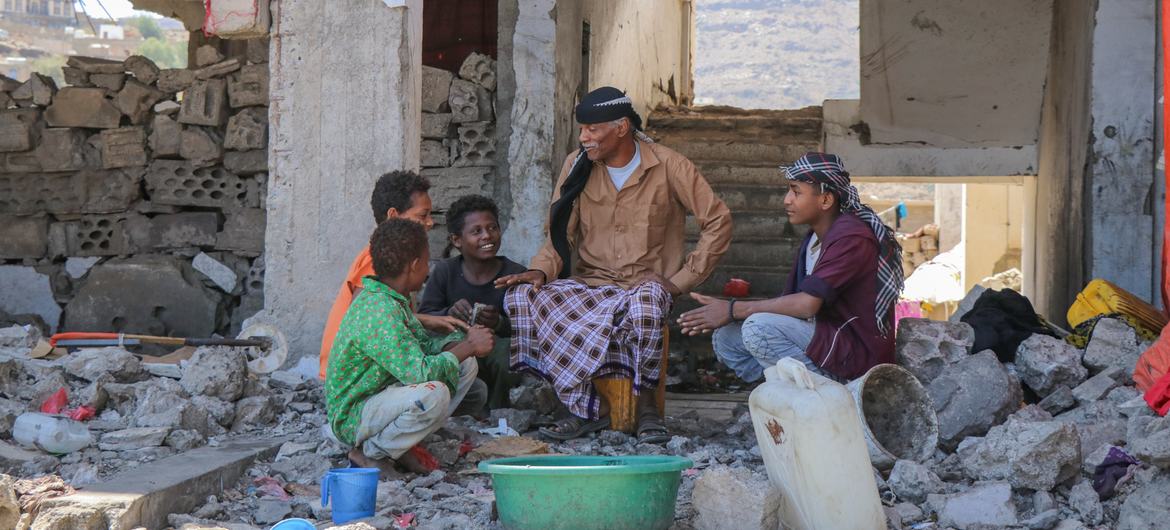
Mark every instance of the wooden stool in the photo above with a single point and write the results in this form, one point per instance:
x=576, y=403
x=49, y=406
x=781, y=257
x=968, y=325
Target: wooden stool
x=618, y=392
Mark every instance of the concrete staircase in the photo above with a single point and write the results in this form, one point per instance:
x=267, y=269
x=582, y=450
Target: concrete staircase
x=739, y=152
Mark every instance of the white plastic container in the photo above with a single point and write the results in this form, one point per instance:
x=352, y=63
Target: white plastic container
x=50, y=434
x=811, y=439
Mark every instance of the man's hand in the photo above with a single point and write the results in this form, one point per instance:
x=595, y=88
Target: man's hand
x=480, y=340
x=710, y=316
x=441, y=324
x=461, y=310
x=534, y=278
x=661, y=280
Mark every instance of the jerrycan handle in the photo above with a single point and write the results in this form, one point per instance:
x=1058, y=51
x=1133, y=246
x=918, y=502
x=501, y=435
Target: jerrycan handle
x=794, y=371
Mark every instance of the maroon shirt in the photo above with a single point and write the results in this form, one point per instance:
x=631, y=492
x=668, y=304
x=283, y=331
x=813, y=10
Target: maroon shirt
x=846, y=341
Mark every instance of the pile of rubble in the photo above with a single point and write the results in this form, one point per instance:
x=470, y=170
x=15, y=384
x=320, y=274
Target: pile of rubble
x=144, y=411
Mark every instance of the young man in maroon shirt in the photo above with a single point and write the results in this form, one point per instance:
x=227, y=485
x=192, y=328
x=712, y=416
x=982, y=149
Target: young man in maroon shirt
x=837, y=312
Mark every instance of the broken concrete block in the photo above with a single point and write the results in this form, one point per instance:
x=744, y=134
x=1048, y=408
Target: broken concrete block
x=246, y=162
x=111, y=191
x=201, y=146
x=985, y=503
x=179, y=230
x=1084, y=500
x=142, y=68
x=207, y=55
x=925, y=347
x=972, y=395
x=1094, y=388
x=136, y=100
x=166, y=108
x=1113, y=343
x=243, y=231
x=1046, y=363
x=249, y=86
x=205, y=103
x=6, y=101
x=434, y=154
x=93, y=363
x=256, y=50
x=436, y=89
x=27, y=291
x=448, y=184
x=216, y=371
x=38, y=90
x=464, y=101
x=219, y=274
x=123, y=147
x=735, y=499
x=480, y=69
x=912, y=481
x=1146, y=506
x=133, y=438
x=1035, y=455
x=23, y=236
x=75, y=77
x=145, y=294
x=83, y=107
x=184, y=439
x=1149, y=440
x=477, y=144
x=94, y=65
x=967, y=303
x=247, y=130
x=111, y=82
x=271, y=511
x=518, y=420
x=219, y=69
x=25, y=162
x=165, y=137
x=174, y=80
x=1059, y=400
x=181, y=183
x=436, y=126
x=97, y=235
x=56, y=193
x=254, y=411
x=62, y=149
x=19, y=129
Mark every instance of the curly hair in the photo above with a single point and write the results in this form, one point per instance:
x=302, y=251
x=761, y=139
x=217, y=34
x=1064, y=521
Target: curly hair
x=457, y=213
x=394, y=244
x=395, y=190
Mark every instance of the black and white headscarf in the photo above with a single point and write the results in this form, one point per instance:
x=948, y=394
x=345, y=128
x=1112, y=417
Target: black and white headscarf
x=828, y=171
x=599, y=106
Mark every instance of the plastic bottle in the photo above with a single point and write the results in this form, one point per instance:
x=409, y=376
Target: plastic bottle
x=50, y=434
x=811, y=439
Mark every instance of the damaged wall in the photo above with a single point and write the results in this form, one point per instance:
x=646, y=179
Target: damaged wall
x=342, y=115
x=954, y=73
x=137, y=213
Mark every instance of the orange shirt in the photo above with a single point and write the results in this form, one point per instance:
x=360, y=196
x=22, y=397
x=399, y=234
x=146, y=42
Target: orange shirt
x=362, y=266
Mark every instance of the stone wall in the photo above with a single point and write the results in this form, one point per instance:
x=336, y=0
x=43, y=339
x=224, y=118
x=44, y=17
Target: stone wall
x=133, y=198
x=458, y=150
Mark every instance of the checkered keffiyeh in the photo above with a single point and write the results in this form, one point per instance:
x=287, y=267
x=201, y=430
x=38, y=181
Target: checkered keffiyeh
x=829, y=172
x=569, y=333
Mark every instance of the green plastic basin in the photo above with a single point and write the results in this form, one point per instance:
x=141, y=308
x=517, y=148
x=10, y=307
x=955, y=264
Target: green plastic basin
x=586, y=492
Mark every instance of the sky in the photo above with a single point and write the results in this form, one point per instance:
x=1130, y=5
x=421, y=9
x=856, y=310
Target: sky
x=117, y=8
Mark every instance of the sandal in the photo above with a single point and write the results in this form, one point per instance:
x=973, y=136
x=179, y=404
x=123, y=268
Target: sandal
x=651, y=429
x=573, y=427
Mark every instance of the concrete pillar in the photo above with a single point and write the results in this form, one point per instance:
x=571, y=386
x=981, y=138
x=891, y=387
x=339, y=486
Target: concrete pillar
x=1120, y=239
x=345, y=89
x=988, y=232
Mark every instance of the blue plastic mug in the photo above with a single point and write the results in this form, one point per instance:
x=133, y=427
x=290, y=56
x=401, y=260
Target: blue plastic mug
x=294, y=524
x=353, y=491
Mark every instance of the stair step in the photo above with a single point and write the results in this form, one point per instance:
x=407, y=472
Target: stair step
x=741, y=151
x=758, y=253
x=766, y=282
x=699, y=119
x=765, y=198
x=771, y=226
x=722, y=173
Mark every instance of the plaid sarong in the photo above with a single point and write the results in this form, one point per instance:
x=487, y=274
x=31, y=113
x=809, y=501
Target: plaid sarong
x=569, y=333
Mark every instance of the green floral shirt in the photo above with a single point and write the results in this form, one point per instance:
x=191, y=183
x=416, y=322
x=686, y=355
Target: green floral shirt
x=379, y=343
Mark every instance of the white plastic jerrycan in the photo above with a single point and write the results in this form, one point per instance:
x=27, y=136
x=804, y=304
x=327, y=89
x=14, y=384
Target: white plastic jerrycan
x=51, y=434
x=811, y=439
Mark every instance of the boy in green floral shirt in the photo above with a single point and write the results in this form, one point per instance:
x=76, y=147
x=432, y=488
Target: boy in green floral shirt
x=389, y=384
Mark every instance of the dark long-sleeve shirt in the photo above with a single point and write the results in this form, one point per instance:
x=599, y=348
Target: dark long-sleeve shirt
x=447, y=286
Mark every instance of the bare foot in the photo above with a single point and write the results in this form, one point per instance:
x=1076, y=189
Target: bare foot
x=385, y=468
x=412, y=464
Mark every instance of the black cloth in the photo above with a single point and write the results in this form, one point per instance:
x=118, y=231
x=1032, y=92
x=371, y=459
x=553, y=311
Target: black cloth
x=447, y=285
x=1002, y=320
x=599, y=106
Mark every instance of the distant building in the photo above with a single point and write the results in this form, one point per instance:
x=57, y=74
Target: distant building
x=51, y=12
x=111, y=32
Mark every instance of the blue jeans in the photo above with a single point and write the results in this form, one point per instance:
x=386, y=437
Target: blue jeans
x=760, y=341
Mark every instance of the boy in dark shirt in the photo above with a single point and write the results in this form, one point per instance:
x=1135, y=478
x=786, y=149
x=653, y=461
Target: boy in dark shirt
x=458, y=284
x=837, y=312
